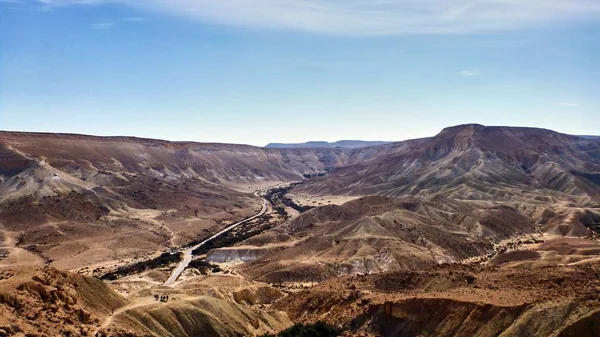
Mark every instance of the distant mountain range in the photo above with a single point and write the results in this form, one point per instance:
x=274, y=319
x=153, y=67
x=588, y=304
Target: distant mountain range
x=347, y=144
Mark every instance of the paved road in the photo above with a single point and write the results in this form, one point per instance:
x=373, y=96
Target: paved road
x=187, y=254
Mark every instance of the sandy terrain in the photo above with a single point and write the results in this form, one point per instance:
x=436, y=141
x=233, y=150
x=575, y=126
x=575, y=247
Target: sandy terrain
x=11, y=255
x=251, y=187
x=377, y=234
x=45, y=301
x=187, y=258
x=304, y=199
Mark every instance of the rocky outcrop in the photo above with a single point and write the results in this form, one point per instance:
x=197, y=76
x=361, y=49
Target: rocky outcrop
x=457, y=301
x=53, y=303
x=235, y=254
x=257, y=295
x=447, y=317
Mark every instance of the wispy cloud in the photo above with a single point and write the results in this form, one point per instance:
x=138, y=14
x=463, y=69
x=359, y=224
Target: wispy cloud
x=568, y=104
x=72, y=2
x=108, y=25
x=136, y=19
x=376, y=17
x=470, y=73
x=103, y=25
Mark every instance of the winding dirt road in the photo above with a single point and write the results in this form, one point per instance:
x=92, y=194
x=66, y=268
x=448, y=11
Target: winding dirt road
x=140, y=302
x=187, y=254
x=16, y=255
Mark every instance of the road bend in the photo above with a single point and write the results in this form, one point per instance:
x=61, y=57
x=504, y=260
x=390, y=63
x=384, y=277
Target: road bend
x=187, y=253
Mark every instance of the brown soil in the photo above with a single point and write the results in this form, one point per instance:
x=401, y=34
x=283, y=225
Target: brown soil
x=46, y=301
x=457, y=300
x=377, y=234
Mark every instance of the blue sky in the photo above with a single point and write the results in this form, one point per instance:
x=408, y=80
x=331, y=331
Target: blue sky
x=262, y=71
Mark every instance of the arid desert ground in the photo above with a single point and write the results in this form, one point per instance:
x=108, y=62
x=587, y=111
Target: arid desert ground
x=475, y=231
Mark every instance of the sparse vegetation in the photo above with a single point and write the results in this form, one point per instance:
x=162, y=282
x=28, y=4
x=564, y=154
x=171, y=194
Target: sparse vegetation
x=312, y=175
x=204, y=266
x=163, y=260
x=243, y=232
x=279, y=201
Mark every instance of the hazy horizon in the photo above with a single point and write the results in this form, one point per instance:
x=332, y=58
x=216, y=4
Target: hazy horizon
x=288, y=143
x=296, y=71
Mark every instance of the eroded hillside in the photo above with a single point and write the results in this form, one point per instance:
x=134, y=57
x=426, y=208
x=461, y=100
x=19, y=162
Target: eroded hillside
x=83, y=201
x=475, y=162
x=457, y=301
x=48, y=302
x=376, y=234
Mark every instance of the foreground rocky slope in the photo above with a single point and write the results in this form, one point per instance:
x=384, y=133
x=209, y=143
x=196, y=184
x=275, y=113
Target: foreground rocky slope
x=458, y=301
x=201, y=316
x=48, y=302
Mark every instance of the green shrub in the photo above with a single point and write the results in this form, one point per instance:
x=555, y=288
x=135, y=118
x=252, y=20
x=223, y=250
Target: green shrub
x=164, y=259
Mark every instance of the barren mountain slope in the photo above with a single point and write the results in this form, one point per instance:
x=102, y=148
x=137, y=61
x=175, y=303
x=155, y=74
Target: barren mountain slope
x=475, y=162
x=471, y=187
x=200, y=316
x=81, y=155
x=512, y=199
x=376, y=234
x=82, y=200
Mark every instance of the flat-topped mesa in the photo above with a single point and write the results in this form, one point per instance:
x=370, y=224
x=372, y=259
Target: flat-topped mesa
x=501, y=138
x=214, y=162
x=474, y=162
x=458, y=138
x=30, y=137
